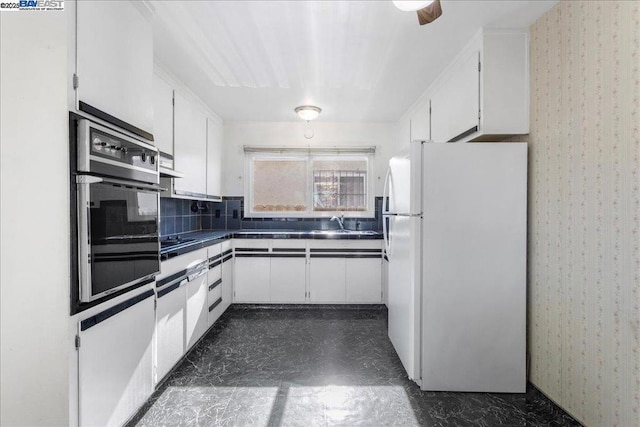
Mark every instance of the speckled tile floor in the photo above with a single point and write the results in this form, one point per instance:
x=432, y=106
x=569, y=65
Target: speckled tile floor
x=319, y=367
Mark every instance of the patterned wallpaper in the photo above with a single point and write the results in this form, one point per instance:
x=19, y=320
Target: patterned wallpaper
x=584, y=210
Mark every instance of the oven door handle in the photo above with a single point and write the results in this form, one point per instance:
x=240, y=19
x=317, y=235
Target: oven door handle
x=90, y=179
x=130, y=237
x=84, y=235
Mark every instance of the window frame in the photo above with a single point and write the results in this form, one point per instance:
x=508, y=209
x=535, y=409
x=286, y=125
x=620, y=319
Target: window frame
x=309, y=157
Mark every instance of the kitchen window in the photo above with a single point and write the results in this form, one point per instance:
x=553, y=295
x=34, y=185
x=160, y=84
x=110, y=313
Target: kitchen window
x=309, y=183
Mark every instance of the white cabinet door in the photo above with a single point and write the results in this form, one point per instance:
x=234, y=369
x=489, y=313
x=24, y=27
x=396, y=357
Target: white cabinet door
x=190, y=147
x=116, y=365
x=214, y=159
x=214, y=302
x=170, y=338
x=327, y=280
x=163, y=115
x=288, y=279
x=252, y=277
x=227, y=284
x=420, y=128
x=115, y=61
x=197, y=309
x=364, y=280
x=455, y=104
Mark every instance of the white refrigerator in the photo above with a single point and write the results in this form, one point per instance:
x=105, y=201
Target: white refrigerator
x=455, y=237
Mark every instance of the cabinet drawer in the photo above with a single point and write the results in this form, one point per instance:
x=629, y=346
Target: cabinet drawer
x=240, y=244
x=288, y=244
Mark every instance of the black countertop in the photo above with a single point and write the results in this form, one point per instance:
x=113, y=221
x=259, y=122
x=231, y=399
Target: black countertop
x=195, y=240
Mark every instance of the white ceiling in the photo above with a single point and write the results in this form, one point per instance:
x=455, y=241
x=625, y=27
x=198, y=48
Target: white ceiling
x=360, y=61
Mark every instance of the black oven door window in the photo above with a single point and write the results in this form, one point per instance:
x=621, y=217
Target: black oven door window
x=124, y=245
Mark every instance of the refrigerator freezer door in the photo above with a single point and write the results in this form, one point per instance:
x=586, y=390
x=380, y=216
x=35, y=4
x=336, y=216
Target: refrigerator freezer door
x=399, y=185
x=474, y=266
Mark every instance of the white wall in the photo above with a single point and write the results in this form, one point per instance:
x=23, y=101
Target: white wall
x=282, y=134
x=34, y=292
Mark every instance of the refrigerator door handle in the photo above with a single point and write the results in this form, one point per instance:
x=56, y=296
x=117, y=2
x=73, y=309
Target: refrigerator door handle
x=385, y=212
x=386, y=237
x=402, y=214
x=385, y=193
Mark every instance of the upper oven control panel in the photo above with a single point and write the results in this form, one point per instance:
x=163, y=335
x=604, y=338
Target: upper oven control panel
x=105, y=151
x=122, y=151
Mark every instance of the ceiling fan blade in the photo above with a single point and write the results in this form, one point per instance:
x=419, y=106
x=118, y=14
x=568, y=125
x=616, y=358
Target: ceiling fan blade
x=430, y=13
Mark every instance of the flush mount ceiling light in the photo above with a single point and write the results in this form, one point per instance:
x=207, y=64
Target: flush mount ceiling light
x=428, y=10
x=308, y=112
x=411, y=5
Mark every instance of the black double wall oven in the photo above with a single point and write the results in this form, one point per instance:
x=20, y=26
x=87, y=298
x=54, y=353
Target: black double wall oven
x=116, y=191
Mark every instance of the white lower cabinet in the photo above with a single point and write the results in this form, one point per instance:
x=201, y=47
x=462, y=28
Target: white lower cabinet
x=288, y=279
x=115, y=363
x=364, y=280
x=227, y=282
x=308, y=271
x=327, y=280
x=197, y=308
x=252, y=279
x=170, y=329
x=214, y=300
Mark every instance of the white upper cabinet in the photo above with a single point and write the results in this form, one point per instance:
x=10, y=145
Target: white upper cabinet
x=114, y=63
x=420, y=126
x=163, y=115
x=190, y=148
x=504, y=87
x=455, y=105
x=187, y=131
x=484, y=92
x=214, y=159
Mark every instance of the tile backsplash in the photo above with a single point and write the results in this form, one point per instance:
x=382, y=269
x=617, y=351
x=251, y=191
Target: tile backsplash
x=177, y=217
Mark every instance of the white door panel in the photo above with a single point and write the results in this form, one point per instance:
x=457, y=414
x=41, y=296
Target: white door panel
x=252, y=276
x=116, y=366
x=163, y=115
x=288, y=279
x=399, y=185
x=170, y=341
x=327, y=280
x=227, y=284
x=197, y=309
x=364, y=280
x=115, y=61
x=190, y=146
x=401, y=293
x=474, y=266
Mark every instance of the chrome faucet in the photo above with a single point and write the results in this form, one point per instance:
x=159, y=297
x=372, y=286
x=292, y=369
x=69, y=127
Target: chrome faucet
x=340, y=221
